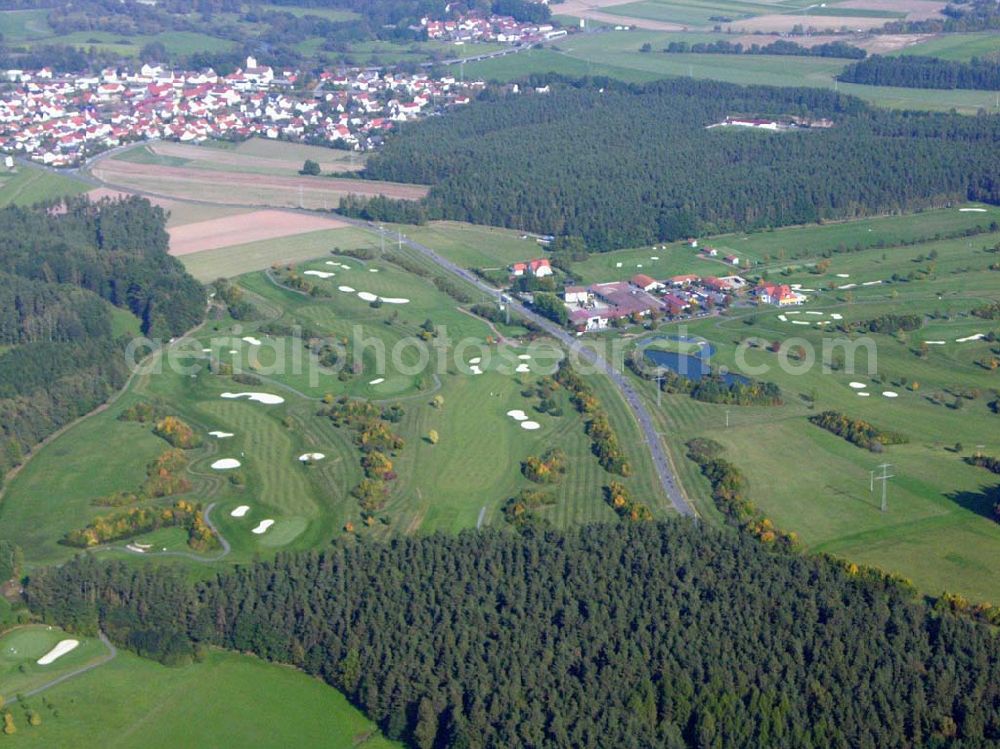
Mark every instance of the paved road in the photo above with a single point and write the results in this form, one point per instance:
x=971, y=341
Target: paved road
x=112, y=654
x=664, y=470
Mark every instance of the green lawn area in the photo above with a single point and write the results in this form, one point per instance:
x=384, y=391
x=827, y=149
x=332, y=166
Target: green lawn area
x=21, y=647
x=227, y=700
x=176, y=42
x=330, y=14
x=956, y=46
x=475, y=246
x=29, y=185
x=938, y=530
x=243, y=258
x=24, y=25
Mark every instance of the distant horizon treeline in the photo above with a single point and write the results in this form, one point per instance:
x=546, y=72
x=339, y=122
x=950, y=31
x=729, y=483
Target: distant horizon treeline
x=630, y=635
x=778, y=47
x=641, y=167
x=64, y=266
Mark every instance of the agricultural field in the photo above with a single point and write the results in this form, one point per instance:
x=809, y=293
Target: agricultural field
x=22, y=647
x=961, y=47
x=618, y=54
x=172, y=177
x=938, y=530
x=24, y=25
x=227, y=699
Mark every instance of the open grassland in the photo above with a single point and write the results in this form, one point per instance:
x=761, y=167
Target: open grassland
x=21, y=647
x=957, y=46
x=234, y=260
x=29, y=185
x=226, y=700
x=176, y=42
x=255, y=156
x=24, y=25
x=617, y=55
x=473, y=246
x=938, y=530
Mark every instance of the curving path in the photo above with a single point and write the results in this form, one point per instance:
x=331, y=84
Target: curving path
x=112, y=654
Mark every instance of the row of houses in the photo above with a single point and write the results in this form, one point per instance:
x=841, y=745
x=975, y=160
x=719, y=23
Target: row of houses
x=60, y=120
x=473, y=27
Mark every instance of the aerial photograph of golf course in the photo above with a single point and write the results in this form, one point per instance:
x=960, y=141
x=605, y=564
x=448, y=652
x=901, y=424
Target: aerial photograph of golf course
x=595, y=373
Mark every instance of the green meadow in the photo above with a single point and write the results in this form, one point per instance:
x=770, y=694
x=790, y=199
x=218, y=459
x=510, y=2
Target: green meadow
x=28, y=185
x=21, y=647
x=225, y=700
x=956, y=46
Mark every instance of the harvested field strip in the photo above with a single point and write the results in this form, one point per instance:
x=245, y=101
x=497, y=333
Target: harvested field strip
x=242, y=162
x=243, y=229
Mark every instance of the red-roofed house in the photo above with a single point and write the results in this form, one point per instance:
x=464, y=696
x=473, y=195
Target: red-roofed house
x=539, y=268
x=646, y=283
x=780, y=295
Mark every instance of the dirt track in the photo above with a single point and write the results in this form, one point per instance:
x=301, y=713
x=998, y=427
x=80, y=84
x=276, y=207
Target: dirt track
x=242, y=229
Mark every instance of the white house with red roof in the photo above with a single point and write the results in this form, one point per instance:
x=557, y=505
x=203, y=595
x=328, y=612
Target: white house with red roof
x=779, y=295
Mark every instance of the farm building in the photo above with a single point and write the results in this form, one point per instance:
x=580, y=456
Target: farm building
x=646, y=283
x=539, y=268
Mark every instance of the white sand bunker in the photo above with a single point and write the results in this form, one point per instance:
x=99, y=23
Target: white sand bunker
x=373, y=270
x=251, y=340
x=62, y=647
x=890, y=394
x=395, y=300
x=801, y=322
x=311, y=457
x=376, y=381
x=794, y=312
x=847, y=286
x=975, y=337
x=871, y=283
x=935, y=343
x=367, y=296
x=530, y=425
x=475, y=360
x=618, y=265
x=858, y=385
x=206, y=351
x=522, y=368
x=318, y=273
x=233, y=351
x=346, y=289
x=268, y=398
x=813, y=312
x=864, y=395
x=653, y=257
x=782, y=318
x=262, y=526
x=524, y=357
x=836, y=316
x=972, y=210
x=224, y=464
x=517, y=414
x=135, y=549
x=240, y=511
x=843, y=275
x=474, y=368
x=220, y=435
x=333, y=263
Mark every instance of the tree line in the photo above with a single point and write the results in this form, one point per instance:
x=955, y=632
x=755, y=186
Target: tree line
x=641, y=165
x=924, y=72
x=65, y=265
x=779, y=47
x=627, y=635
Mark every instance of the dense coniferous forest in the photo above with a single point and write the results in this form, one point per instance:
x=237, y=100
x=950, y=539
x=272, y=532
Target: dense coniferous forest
x=641, y=166
x=779, y=47
x=924, y=72
x=631, y=635
x=62, y=266
x=960, y=15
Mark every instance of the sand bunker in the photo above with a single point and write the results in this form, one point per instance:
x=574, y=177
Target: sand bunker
x=517, y=414
x=618, y=265
x=224, y=464
x=376, y=381
x=333, y=263
x=864, y=395
x=240, y=511
x=847, y=286
x=220, y=435
x=206, y=351
x=318, y=273
x=373, y=270
x=836, y=316
x=890, y=394
x=782, y=318
x=268, y=398
x=522, y=368
x=233, y=351
x=858, y=385
x=801, y=322
x=135, y=549
x=475, y=360
x=871, y=283
x=367, y=296
x=813, y=312
x=972, y=210
x=794, y=312
x=524, y=357
x=654, y=257
x=475, y=369
x=311, y=457
x=346, y=289
x=62, y=647
x=975, y=337
x=395, y=300
x=935, y=343
x=530, y=425
x=251, y=340
x=843, y=275
x=262, y=526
